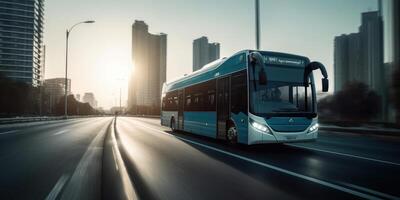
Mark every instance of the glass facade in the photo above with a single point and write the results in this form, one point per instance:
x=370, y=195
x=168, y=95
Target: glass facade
x=21, y=40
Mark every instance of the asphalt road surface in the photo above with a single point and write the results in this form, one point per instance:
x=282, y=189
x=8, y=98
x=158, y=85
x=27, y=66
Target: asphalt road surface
x=100, y=158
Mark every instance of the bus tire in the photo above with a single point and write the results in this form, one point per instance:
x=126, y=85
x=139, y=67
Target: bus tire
x=232, y=134
x=173, y=125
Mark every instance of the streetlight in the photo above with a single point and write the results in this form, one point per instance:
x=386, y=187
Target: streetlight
x=120, y=94
x=66, y=64
x=257, y=6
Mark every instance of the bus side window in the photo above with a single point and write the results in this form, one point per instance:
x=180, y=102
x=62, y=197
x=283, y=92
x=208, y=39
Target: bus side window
x=188, y=103
x=211, y=98
x=239, y=92
x=169, y=102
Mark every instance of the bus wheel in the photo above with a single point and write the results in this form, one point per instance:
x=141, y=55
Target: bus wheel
x=231, y=135
x=173, y=125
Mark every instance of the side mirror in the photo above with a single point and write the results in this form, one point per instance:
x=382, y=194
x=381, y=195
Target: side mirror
x=314, y=66
x=257, y=61
x=325, y=85
x=262, y=77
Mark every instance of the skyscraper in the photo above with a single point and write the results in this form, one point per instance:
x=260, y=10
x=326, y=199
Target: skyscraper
x=149, y=53
x=396, y=31
x=341, y=61
x=371, y=35
x=347, y=60
x=21, y=40
x=204, y=52
x=359, y=56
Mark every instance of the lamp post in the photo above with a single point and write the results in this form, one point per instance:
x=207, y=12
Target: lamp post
x=257, y=6
x=66, y=65
x=120, y=94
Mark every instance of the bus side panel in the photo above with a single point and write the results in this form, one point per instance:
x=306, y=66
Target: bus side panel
x=201, y=123
x=241, y=122
x=166, y=117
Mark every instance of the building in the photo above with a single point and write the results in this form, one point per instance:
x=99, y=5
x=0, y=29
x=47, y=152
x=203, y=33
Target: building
x=204, y=52
x=149, y=54
x=396, y=32
x=88, y=97
x=341, y=63
x=21, y=40
x=360, y=57
x=347, y=60
x=371, y=35
x=55, y=90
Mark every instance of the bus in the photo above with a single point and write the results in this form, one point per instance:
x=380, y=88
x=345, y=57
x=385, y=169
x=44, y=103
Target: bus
x=252, y=97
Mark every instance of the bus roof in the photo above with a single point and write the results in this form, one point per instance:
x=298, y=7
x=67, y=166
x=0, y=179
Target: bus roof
x=216, y=69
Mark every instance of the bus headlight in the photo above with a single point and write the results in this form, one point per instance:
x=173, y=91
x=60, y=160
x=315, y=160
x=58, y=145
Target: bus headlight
x=259, y=127
x=313, y=127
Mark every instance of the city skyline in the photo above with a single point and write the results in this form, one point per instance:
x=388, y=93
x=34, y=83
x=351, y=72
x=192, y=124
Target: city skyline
x=100, y=53
x=359, y=57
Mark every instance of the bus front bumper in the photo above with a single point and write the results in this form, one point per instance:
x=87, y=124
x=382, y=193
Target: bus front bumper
x=257, y=137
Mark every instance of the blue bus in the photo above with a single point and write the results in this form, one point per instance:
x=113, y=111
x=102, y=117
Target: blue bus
x=251, y=97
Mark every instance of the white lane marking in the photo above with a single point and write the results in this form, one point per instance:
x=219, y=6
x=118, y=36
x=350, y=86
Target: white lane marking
x=345, y=154
x=8, y=132
x=58, y=187
x=115, y=158
x=308, y=178
x=376, y=193
x=61, y=132
x=86, y=173
x=127, y=184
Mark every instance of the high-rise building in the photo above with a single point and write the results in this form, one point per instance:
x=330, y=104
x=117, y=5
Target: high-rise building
x=341, y=61
x=21, y=40
x=359, y=57
x=396, y=32
x=204, y=52
x=213, y=51
x=88, y=97
x=55, y=90
x=149, y=54
x=347, y=60
x=371, y=35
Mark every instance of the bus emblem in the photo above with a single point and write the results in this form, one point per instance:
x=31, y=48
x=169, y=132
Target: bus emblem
x=291, y=121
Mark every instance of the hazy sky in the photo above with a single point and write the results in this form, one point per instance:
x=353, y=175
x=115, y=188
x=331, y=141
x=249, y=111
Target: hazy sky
x=100, y=53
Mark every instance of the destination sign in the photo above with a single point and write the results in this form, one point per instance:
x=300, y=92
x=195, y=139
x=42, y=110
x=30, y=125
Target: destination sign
x=284, y=61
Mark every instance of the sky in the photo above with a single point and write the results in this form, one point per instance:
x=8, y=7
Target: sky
x=100, y=53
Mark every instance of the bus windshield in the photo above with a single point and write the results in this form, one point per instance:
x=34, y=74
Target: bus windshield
x=284, y=94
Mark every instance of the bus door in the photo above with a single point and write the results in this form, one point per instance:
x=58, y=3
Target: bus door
x=181, y=103
x=223, y=111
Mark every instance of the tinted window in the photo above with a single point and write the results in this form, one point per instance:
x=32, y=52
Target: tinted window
x=239, y=92
x=170, y=101
x=200, y=97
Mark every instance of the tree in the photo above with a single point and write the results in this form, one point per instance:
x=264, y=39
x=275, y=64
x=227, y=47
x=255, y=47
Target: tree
x=18, y=98
x=356, y=102
x=74, y=107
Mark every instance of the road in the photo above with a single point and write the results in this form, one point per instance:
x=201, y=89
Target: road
x=98, y=158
